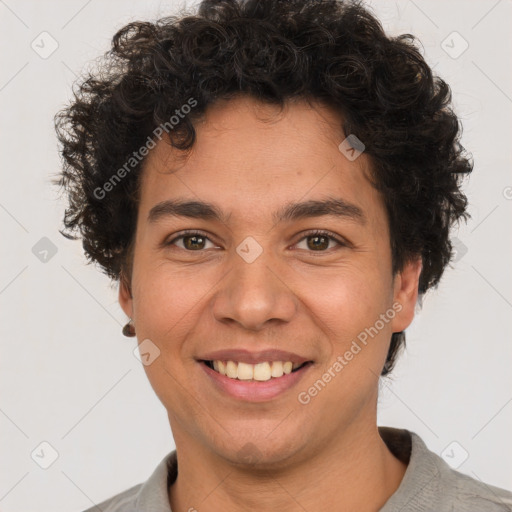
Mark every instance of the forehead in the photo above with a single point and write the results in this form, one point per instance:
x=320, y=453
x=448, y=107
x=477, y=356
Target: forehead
x=250, y=160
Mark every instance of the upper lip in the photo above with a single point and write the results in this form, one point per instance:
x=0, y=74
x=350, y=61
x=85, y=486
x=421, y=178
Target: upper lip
x=251, y=357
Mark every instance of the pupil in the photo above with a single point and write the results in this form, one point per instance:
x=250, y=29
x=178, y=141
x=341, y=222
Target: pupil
x=316, y=237
x=194, y=238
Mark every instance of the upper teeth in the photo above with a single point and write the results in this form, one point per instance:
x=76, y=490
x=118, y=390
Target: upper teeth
x=259, y=371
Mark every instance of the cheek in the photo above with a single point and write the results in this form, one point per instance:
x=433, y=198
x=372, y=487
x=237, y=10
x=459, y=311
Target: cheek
x=358, y=344
x=348, y=307
x=165, y=304
x=346, y=300
x=165, y=315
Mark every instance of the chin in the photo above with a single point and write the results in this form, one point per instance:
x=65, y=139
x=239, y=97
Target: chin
x=260, y=455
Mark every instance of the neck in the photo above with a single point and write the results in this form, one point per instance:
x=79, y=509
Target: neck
x=357, y=472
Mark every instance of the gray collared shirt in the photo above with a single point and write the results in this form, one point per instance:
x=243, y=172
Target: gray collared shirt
x=429, y=484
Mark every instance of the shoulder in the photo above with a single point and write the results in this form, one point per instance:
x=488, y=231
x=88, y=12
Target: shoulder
x=462, y=493
x=123, y=502
x=469, y=494
x=430, y=484
x=149, y=495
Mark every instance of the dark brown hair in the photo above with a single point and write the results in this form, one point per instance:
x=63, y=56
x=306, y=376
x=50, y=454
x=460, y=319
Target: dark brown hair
x=272, y=50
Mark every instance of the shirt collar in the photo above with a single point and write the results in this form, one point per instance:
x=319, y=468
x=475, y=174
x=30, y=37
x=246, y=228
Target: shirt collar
x=419, y=488
x=153, y=496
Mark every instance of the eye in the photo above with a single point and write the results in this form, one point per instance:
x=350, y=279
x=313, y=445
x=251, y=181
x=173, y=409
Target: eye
x=192, y=240
x=318, y=240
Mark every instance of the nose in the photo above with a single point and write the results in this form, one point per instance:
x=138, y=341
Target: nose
x=255, y=294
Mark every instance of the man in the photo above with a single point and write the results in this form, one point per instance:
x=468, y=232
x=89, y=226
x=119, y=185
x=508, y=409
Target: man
x=273, y=184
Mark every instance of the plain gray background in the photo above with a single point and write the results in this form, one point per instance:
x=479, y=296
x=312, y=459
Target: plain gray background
x=68, y=376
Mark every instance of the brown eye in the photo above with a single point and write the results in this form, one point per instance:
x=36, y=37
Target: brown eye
x=192, y=242
x=318, y=241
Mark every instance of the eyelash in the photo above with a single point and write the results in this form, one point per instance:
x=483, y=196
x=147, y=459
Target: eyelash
x=327, y=234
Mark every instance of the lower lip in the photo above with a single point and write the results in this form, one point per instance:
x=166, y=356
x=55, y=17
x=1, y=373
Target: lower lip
x=255, y=391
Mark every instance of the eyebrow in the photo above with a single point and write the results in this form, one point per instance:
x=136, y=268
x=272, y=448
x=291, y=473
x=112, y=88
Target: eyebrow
x=335, y=207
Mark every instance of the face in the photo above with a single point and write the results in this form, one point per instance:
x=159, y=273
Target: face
x=263, y=277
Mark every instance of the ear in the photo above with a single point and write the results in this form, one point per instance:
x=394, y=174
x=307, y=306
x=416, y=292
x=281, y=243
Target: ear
x=125, y=297
x=406, y=294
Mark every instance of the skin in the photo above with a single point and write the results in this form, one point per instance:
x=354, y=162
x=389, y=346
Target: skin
x=250, y=160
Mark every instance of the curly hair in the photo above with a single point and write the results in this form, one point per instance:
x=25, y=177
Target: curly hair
x=273, y=50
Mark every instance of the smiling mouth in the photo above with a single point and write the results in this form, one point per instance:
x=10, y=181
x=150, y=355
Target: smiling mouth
x=265, y=371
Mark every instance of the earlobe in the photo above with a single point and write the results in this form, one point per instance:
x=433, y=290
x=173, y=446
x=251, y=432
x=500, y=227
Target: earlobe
x=406, y=293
